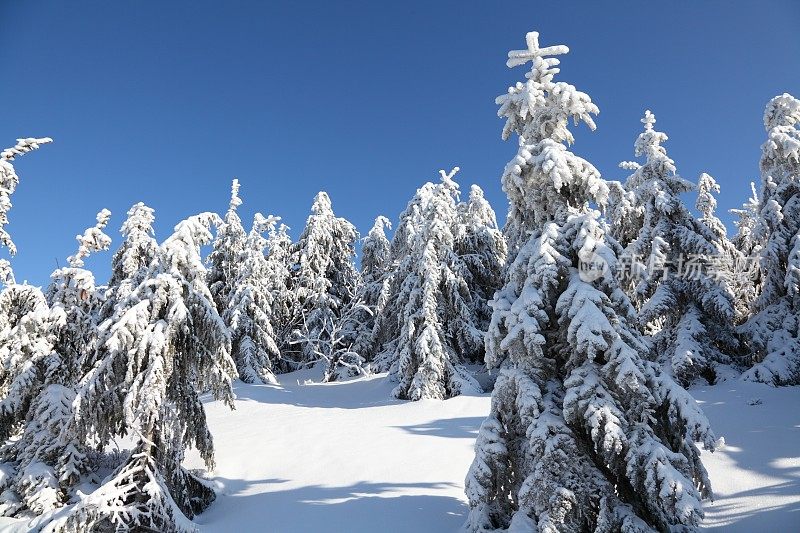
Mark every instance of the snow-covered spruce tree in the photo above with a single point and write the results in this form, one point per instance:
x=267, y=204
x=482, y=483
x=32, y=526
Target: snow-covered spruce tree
x=481, y=248
x=584, y=432
x=240, y=283
x=431, y=305
x=683, y=290
x=165, y=343
x=47, y=458
x=228, y=248
x=249, y=308
x=746, y=239
x=773, y=333
x=732, y=264
x=26, y=349
x=324, y=279
x=133, y=258
x=373, y=290
x=279, y=279
x=748, y=245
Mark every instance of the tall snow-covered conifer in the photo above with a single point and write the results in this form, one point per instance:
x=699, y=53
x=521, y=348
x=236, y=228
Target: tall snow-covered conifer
x=324, y=279
x=683, y=288
x=250, y=306
x=430, y=320
x=481, y=248
x=48, y=458
x=164, y=344
x=133, y=258
x=774, y=331
x=240, y=281
x=373, y=290
x=584, y=432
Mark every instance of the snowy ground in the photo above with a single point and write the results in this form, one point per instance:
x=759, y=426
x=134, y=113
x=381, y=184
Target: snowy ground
x=340, y=457
x=344, y=457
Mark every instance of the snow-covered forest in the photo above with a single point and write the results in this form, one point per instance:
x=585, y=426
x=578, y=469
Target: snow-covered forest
x=611, y=358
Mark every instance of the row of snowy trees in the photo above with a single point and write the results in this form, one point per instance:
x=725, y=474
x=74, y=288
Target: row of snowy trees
x=84, y=366
x=593, y=307
x=603, y=313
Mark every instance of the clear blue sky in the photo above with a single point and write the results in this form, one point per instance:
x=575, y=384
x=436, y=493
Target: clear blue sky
x=165, y=101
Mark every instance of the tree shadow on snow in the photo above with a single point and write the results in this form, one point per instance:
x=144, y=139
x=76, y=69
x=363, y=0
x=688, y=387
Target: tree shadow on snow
x=765, y=444
x=454, y=428
x=374, y=391
x=362, y=507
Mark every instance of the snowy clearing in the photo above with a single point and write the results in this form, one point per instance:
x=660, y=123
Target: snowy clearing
x=345, y=457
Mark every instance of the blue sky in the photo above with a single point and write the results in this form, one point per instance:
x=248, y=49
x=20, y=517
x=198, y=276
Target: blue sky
x=165, y=102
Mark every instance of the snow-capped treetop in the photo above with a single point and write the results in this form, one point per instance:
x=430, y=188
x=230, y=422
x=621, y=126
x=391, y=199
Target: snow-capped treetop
x=545, y=181
x=235, y=200
x=746, y=223
x=9, y=181
x=322, y=204
x=448, y=181
x=92, y=240
x=655, y=183
x=375, y=252
x=181, y=250
x=479, y=209
x=706, y=204
x=782, y=111
x=540, y=108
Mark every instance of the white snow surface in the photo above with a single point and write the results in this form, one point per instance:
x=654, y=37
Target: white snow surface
x=339, y=456
x=304, y=456
x=343, y=456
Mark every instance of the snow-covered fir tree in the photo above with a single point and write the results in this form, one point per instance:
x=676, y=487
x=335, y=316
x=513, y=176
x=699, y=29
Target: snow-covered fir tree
x=324, y=279
x=748, y=247
x=133, y=258
x=239, y=280
x=746, y=239
x=773, y=333
x=164, y=344
x=249, y=308
x=228, y=247
x=47, y=457
x=481, y=248
x=584, y=432
x=430, y=320
x=682, y=267
x=373, y=290
x=279, y=279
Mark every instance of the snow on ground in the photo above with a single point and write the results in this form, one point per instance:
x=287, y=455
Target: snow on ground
x=756, y=474
x=340, y=457
x=344, y=457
